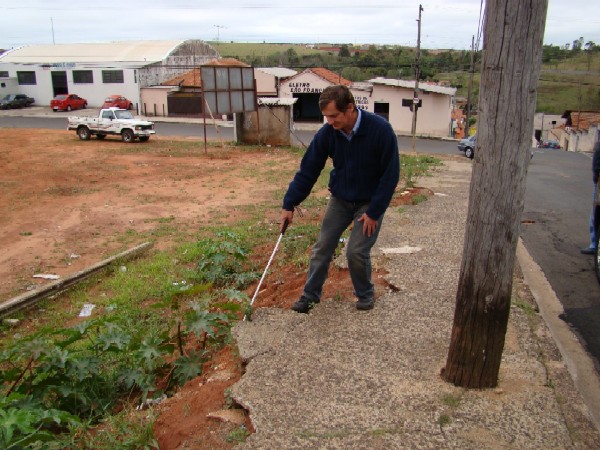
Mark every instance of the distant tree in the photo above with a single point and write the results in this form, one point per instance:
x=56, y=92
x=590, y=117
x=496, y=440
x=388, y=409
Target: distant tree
x=427, y=72
x=393, y=73
x=374, y=72
x=371, y=57
x=577, y=45
x=292, y=57
x=353, y=73
x=551, y=53
x=344, y=52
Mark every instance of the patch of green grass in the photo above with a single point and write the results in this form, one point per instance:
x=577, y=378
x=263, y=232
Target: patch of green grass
x=238, y=434
x=444, y=420
x=128, y=429
x=415, y=166
x=296, y=242
x=325, y=435
x=160, y=220
x=419, y=198
x=128, y=236
x=385, y=431
x=526, y=307
x=451, y=400
x=164, y=230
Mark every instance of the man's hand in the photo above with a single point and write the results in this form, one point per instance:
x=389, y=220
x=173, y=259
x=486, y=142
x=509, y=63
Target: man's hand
x=369, y=225
x=285, y=215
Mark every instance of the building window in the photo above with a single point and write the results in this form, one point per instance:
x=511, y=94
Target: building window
x=4, y=73
x=112, y=76
x=26, y=77
x=383, y=110
x=83, y=77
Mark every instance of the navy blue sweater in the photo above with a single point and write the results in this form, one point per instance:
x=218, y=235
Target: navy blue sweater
x=596, y=162
x=365, y=169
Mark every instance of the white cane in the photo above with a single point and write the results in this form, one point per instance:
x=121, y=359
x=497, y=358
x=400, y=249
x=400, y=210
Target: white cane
x=285, y=225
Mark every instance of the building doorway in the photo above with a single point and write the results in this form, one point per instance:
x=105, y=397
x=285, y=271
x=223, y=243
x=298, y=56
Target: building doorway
x=307, y=108
x=59, y=83
x=383, y=110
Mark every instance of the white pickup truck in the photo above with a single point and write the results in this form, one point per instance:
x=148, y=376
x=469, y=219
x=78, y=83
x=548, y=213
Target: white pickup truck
x=112, y=121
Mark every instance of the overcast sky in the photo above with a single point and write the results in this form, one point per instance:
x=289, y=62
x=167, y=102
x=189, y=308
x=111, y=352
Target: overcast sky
x=445, y=23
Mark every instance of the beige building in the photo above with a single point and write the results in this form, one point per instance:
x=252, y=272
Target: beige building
x=547, y=127
x=306, y=87
x=580, y=131
x=269, y=79
x=434, y=117
x=381, y=96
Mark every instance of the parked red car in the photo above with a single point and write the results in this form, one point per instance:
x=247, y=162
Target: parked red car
x=116, y=101
x=67, y=102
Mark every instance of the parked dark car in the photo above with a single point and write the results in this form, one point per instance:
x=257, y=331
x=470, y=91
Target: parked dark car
x=549, y=144
x=468, y=146
x=12, y=101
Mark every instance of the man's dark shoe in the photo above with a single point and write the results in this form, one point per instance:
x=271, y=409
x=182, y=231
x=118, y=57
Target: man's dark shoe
x=364, y=304
x=588, y=251
x=303, y=305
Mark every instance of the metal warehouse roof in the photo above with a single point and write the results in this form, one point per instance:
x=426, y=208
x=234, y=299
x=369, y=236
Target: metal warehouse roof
x=279, y=72
x=411, y=85
x=126, y=51
x=277, y=101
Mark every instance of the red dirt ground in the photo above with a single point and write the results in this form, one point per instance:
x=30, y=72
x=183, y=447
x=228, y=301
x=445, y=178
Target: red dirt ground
x=65, y=202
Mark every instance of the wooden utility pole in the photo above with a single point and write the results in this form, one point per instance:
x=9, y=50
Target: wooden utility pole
x=415, y=105
x=512, y=56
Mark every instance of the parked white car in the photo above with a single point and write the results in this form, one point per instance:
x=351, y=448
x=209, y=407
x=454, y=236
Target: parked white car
x=112, y=121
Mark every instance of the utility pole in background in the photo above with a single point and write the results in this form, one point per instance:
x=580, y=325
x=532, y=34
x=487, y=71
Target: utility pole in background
x=218, y=27
x=470, y=89
x=415, y=105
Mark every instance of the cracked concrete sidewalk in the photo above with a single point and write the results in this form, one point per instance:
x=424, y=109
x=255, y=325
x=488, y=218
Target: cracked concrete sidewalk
x=339, y=378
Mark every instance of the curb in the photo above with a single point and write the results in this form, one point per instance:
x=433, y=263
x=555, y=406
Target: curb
x=578, y=362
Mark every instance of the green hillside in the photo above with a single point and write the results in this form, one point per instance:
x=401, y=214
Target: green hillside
x=248, y=51
x=570, y=79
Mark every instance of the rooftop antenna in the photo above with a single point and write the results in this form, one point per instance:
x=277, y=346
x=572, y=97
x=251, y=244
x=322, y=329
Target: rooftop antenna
x=217, y=27
x=52, y=23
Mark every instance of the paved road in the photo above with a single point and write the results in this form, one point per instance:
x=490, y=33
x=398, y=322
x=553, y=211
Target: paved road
x=162, y=128
x=301, y=137
x=557, y=205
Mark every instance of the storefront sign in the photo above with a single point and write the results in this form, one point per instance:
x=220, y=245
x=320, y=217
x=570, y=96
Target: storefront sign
x=304, y=88
x=362, y=103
